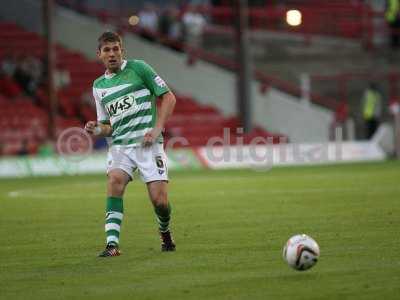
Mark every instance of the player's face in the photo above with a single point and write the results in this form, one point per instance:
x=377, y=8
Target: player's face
x=110, y=54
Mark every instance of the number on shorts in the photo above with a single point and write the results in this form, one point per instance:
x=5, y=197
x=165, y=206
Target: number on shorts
x=159, y=162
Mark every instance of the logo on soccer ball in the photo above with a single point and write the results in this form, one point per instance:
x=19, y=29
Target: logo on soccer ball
x=301, y=252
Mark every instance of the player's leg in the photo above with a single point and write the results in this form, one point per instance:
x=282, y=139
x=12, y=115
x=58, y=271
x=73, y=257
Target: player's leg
x=159, y=197
x=152, y=165
x=158, y=194
x=117, y=181
x=119, y=173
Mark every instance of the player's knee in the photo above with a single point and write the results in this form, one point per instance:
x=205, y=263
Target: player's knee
x=160, y=197
x=116, y=182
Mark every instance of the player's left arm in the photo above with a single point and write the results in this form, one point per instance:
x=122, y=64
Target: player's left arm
x=168, y=101
x=159, y=88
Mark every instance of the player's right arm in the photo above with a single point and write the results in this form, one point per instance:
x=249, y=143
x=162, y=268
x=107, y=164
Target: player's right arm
x=102, y=126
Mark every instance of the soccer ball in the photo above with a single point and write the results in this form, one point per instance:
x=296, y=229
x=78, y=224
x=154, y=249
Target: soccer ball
x=301, y=252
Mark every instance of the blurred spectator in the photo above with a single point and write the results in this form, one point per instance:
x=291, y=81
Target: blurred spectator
x=62, y=76
x=170, y=27
x=148, y=21
x=194, y=23
x=61, y=79
x=371, y=108
x=175, y=30
x=8, y=86
x=392, y=16
x=165, y=21
x=28, y=74
x=24, y=149
x=8, y=65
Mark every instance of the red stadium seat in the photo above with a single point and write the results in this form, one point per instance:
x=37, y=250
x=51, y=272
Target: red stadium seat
x=31, y=123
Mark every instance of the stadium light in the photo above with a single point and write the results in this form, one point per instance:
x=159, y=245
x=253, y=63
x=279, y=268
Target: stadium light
x=293, y=17
x=133, y=20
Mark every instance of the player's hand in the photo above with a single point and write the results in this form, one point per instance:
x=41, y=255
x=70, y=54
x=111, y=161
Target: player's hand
x=151, y=136
x=90, y=126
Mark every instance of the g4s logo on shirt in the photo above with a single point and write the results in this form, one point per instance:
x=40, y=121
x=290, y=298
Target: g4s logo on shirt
x=120, y=105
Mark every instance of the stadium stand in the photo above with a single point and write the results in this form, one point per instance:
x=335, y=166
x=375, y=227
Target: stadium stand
x=206, y=122
x=25, y=119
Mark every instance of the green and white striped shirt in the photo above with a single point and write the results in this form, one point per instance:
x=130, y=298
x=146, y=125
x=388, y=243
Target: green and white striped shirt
x=127, y=101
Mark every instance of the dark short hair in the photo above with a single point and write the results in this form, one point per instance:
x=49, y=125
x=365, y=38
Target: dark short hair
x=109, y=37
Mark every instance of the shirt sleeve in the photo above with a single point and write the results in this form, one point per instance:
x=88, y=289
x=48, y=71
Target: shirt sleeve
x=102, y=116
x=151, y=79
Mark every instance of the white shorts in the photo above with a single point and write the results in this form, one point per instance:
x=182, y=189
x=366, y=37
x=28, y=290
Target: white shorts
x=151, y=162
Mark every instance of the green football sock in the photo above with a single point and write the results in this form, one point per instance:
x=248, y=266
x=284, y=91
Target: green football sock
x=163, y=214
x=114, y=215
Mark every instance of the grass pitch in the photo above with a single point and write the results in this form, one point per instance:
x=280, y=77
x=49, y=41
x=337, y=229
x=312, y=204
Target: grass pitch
x=229, y=226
